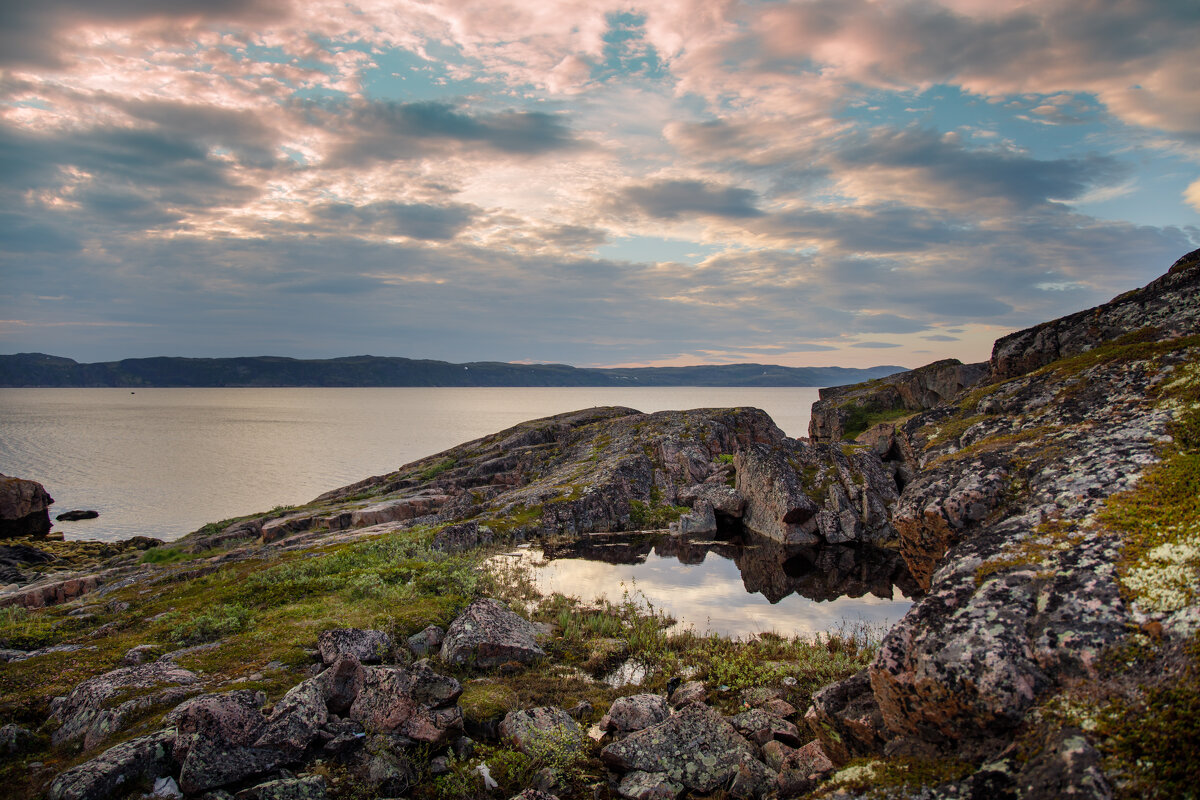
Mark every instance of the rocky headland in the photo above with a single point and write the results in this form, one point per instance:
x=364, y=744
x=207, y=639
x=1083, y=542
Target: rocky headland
x=1043, y=507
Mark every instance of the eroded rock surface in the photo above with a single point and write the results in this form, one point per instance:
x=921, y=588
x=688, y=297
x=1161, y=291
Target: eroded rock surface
x=487, y=634
x=23, y=507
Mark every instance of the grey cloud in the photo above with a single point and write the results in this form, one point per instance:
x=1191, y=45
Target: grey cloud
x=29, y=31
x=416, y=220
x=875, y=345
x=1026, y=182
x=671, y=199
x=888, y=323
x=20, y=233
x=937, y=337
x=386, y=131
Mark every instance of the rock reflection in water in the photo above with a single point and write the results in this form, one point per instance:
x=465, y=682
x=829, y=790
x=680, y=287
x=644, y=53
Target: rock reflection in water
x=735, y=587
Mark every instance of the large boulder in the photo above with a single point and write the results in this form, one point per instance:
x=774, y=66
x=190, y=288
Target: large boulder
x=697, y=749
x=114, y=771
x=414, y=702
x=23, y=507
x=487, y=634
x=801, y=494
x=635, y=713
x=215, y=739
x=367, y=646
x=846, y=720
x=526, y=727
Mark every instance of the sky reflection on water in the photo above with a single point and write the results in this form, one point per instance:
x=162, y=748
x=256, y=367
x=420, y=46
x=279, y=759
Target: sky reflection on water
x=724, y=587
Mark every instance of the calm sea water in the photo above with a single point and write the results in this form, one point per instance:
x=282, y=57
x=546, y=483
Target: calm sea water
x=162, y=462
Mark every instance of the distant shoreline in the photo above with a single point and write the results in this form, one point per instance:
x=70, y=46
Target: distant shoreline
x=39, y=370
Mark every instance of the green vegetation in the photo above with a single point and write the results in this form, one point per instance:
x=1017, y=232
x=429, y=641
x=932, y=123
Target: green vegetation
x=881, y=778
x=865, y=416
x=431, y=472
x=648, y=516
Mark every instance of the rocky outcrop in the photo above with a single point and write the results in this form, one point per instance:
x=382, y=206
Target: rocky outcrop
x=487, y=634
x=634, y=713
x=1024, y=591
x=100, y=706
x=76, y=515
x=23, y=508
x=1170, y=306
x=843, y=412
x=803, y=494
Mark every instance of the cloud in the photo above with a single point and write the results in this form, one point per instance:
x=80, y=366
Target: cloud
x=671, y=199
x=876, y=345
x=386, y=131
x=33, y=33
x=416, y=220
x=923, y=166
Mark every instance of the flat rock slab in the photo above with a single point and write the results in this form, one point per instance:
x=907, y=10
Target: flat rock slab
x=697, y=748
x=487, y=634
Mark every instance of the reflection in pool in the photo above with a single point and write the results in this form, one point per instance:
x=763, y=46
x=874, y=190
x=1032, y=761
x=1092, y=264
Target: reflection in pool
x=737, y=587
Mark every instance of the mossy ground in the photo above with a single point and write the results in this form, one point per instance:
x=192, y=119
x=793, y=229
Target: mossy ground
x=261, y=611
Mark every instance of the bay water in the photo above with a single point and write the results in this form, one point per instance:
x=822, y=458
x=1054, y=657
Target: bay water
x=163, y=462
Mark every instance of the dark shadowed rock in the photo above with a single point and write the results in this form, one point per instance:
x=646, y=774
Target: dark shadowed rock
x=487, y=634
x=461, y=537
x=15, y=739
x=427, y=641
x=339, y=684
x=295, y=720
x=530, y=725
x=23, y=507
x=76, y=515
x=367, y=646
x=696, y=748
x=633, y=713
x=116, y=769
x=846, y=720
x=311, y=787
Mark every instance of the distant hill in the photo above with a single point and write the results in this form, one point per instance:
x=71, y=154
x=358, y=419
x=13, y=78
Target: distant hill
x=39, y=369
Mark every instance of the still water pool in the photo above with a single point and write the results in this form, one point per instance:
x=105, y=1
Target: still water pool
x=737, y=587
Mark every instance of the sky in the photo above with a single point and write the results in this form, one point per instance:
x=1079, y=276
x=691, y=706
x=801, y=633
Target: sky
x=595, y=182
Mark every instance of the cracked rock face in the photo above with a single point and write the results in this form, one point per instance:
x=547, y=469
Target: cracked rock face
x=697, y=749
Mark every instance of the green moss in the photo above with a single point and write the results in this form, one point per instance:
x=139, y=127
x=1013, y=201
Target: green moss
x=484, y=700
x=648, y=516
x=1159, y=520
x=433, y=471
x=863, y=417
x=881, y=778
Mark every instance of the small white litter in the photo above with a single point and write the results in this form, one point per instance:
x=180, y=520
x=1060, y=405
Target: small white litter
x=166, y=787
x=488, y=783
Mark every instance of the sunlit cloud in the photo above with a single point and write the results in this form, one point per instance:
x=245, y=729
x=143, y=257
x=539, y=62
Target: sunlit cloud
x=806, y=182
